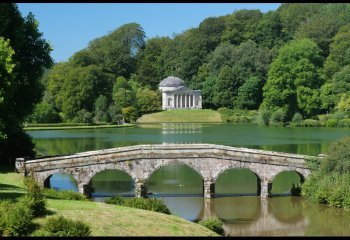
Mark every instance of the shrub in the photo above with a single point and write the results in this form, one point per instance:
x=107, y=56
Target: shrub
x=331, y=183
x=15, y=219
x=83, y=116
x=324, y=118
x=213, y=224
x=297, y=118
x=332, y=123
x=338, y=115
x=344, y=123
x=151, y=204
x=35, y=198
x=117, y=200
x=337, y=158
x=63, y=194
x=310, y=123
x=264, y=117
x=277, y=118
x=63, y=227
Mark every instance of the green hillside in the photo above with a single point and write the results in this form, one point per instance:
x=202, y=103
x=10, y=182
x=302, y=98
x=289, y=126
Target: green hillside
x=181, y=115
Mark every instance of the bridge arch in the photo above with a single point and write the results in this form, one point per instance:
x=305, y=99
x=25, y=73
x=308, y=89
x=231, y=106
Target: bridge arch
x=174, y=162
x=285, y=182
x=222, y=170
x=237, y=167
x=95, y=171
x=302, y=174
x=45, y=178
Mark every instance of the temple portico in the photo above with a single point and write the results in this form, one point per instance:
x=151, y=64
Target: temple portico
x=176, y=95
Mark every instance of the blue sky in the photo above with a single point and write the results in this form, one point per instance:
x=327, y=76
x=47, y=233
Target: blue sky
x=70, y=27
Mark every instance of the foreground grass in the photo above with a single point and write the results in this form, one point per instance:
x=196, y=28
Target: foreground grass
x=106, y=219
x=60, y=127
x=181, y=115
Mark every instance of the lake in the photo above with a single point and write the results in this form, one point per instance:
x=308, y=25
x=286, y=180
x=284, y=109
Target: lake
x=236, y=203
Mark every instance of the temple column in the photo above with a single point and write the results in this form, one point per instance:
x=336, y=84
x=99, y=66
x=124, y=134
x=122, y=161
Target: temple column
x=180, y=101
x=194, y=100
x=175, y=100
x=185, y=100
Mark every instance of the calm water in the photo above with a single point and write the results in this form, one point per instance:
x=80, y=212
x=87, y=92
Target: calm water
x=181, y=187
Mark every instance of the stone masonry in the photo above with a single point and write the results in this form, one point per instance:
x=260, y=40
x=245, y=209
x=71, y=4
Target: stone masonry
x=141, y=161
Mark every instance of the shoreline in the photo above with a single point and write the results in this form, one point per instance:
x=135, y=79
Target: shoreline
x=32, y=128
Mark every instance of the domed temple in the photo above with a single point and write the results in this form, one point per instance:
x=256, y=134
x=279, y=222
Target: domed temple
x=176, y=95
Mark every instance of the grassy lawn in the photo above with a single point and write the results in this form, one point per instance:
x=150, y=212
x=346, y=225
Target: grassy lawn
x=33, y=127
x=182, y=115
x=105, y=219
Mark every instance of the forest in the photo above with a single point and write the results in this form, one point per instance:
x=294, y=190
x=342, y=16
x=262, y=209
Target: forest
x=290, y=65
x=294, y=60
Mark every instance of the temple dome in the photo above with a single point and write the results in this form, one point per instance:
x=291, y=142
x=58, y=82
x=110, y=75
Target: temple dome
x=172, y=82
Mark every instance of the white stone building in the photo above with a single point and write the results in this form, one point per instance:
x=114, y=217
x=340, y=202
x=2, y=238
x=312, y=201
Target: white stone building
x=176, y=95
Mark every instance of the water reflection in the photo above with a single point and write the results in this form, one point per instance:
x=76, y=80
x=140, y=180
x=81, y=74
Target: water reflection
x=181, y=133
x=109, y=183
x=189, y=208
x=63, y=181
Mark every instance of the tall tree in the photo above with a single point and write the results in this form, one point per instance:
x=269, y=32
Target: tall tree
x=294, y=79
x=339, y=55
x=241, y=26
x=31, y=57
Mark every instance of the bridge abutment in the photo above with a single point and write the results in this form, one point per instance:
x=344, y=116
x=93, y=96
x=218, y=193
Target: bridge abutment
x=85, y=189
x=209, y=188
x=265, y=188
x=140, y=188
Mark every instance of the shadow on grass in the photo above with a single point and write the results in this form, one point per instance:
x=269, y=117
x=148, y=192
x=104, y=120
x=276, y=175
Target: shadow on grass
x=6, y=169
x=10, y=195
x=9, y=187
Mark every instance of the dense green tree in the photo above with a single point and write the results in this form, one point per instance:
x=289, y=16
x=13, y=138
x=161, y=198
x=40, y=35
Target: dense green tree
x=294, y=79
x=148, y=101
x=83, y=116
x=115, y=114
x=81, y=87
x=31, y=57
x=208, y=92
x=249, y=95
x=101, y=109
x=226, y=87
x=339, y=55
x=44, y=113
x=344, y=103
x=130, y=114
x=148, y=72
x=124, y=97
x=292, y=15
x=268, y=32
x=241, y=26
x=116, y=53
x=322, y=26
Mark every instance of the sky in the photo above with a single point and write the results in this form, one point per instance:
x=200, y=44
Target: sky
x=70, y=27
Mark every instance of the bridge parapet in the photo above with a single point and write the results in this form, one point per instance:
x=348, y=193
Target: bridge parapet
x=141, y=161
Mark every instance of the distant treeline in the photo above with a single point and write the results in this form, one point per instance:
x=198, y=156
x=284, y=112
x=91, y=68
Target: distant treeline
x=294, y=60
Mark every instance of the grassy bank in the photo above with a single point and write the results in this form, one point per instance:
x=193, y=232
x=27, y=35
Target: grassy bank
x=105, y=219
x=60, y=126
x=182, y=115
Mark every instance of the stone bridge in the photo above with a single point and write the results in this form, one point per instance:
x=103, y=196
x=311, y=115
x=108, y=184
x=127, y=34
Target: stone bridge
x=142, y=160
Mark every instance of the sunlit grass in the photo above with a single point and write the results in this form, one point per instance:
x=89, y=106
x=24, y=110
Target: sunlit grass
x=106, y=219
x=182, y=115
